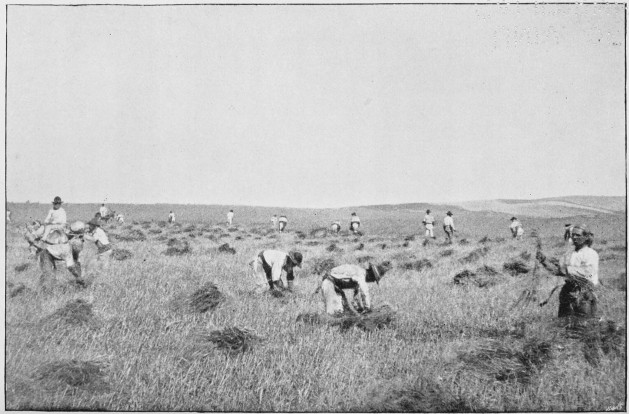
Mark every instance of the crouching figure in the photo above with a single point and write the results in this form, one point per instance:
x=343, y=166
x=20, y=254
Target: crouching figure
x=271, y=263
x=348, y=283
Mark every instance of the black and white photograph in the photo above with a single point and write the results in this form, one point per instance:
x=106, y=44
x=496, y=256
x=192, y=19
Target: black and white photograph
x=303, y=207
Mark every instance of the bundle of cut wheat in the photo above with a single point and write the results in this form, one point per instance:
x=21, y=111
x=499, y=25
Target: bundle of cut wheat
x=121, y=254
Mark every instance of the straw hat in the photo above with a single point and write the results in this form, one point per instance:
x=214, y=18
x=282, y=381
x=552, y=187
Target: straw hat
x=295, y=257
x=57, y=200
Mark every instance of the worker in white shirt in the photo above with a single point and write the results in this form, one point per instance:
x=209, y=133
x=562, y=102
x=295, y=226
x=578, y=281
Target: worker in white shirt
x=120, y=218
x=271, y=263
x=429, y=222
x=103, y=210
x=98, y=236
x=348, y=282
x=579, y=267
x=56, y=218
x=8, y=216
x=354, y=223
x=283, y=221
x=448, y=225
x=171, y=217
x=516, y=228
x=230, y=217
x=336, y=227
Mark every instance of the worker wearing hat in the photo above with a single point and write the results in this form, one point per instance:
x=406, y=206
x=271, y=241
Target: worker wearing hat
x=282, y=222
x=98, y=235
x=516, y=228
x=448, y=225
x=428, y=222
x=271, y=263
x=56, y=218
x=336, y=227
x=345, y=283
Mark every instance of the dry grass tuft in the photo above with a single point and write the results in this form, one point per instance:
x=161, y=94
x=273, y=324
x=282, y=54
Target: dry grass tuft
x=224, y=248
x=485, y=276
x=485, y=239
x=232, y=340
x=131, y=235
x=417, y=265
x=19, y=289
x=463, y=242
x=423, y=396
x=508, y=362
x=121, y=254
x=378, y=318
x=22, y=267
x=206, y=298
x=77, y=312
x=448, y=252
x=475, y=254
x=319, y=232
x=516, y=267
x=177, y=247
x=84, y=375
x=333, y=248
x=161, y=224
x=323, y=265
x=409, y=238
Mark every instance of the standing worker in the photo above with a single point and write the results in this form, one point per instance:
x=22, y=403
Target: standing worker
x=271, y=263
x=56, y=218
x=579, y=268
x=428, y=222
x=104, y=211
x=354, y=223
x=516, y=228
x=283, y=221
x=171, y=217
x=230, y=217
x=336, y=227
x=448, y=225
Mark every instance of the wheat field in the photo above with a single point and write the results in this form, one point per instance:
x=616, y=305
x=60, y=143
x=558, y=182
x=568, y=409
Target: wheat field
x=179, y=323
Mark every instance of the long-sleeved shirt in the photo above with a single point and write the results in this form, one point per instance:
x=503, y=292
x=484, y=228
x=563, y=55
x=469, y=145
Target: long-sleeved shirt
x=429, y=220
x=103, y=211
x=355, y=219
x=56, y=216
x=277, y=260
x=357, y=274
x=583, y=262
x=447, y=221
x=100, y=238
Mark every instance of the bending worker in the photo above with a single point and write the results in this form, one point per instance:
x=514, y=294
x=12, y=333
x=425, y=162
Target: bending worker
x=271, y=263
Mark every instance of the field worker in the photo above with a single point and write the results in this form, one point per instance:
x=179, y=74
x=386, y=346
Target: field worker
x=336, y=227
x=347, y=282
x=274, y=221
x=8, y=216
x=283, y=221
x=171, y=217
x=429, y=222
x=567, y=234
x=271, y=263
x=448, y=225
x=354, y=223
x=577, y=297
x=55, y=248
x=103, y=210
x=516, y=228
x=120, y=218
x=230, y=217
x=56, y=218
x=98, y=235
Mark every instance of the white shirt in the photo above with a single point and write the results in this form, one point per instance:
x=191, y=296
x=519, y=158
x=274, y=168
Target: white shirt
x=276, y=259
x=447, y=221
x=355, y=219
x=230, y=215
x=171, y=216
x=515, y=224
x=429, y=219
x=283, y=219
x=582, y=263
x=355, y=273
x=103, y=211
x=56, y=216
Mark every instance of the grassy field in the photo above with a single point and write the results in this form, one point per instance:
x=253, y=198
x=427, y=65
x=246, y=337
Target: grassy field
x=140, y=336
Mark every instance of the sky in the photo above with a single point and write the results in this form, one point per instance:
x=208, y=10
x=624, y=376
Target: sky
x=314, y=106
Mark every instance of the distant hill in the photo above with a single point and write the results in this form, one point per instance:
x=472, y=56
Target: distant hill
x=554, y=207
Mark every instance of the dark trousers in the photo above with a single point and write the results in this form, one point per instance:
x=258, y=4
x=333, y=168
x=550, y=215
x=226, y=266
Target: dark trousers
x=573, y=301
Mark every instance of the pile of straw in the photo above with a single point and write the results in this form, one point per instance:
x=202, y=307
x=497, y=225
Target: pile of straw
x=446, y=253
x=224, y=248
x=516, y=267
x=319, y=232
x=475, y=254
x=84, y=375
x=132, y=235
x=22, y=267
x=484, y=276
x=485, y=239
x=77, y=312
x=333, y=248
x=233, y=340
x=177, y=247
x=378, y=318
x=417, y=265
x=121, y=254
x=208, y=297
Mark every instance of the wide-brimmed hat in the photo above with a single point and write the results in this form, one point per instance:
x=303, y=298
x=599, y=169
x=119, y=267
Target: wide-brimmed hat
x=94, y=222
x=513, y=218
x=295, y=257
x=428, y=211
x=57, y=200
x=449, y=213
x=77, y=227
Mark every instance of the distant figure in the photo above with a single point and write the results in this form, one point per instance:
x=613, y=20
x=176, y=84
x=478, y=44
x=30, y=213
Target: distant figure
x=448, y=225
x=336, y=227
x=274, y=221
x=171, y=217
x=98, y=217
x=516, y=228
x=349, y=282
x=428, y=222
x=230, y=217
x=98, y=235
x=8, y=216
x=354, y=223
x=283, y=221
x=579, y=267
x=120, y=218
x=567, y=235
x=271, y=263
x=103, y=210
x=56, y=218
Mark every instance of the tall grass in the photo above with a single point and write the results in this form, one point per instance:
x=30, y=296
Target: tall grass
x=132, y=350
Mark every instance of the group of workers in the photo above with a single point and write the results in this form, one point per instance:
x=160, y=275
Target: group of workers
x=344, y=287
